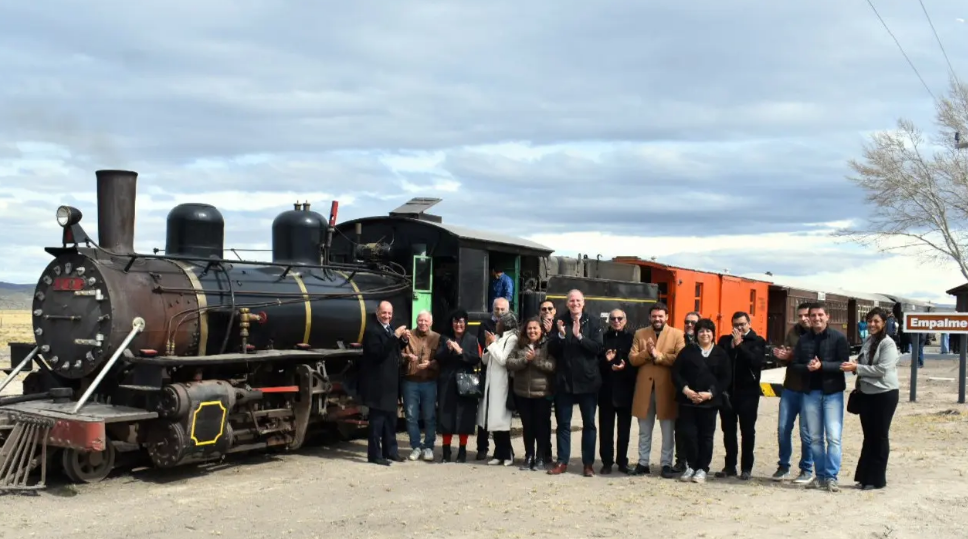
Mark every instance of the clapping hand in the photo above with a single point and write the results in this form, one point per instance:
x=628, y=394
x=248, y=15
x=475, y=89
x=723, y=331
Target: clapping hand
x=848, y=366
x=530, y=354
x=489, y=338
x=546, y=325
x=610, y=355
x=650, y=346
x=814, y=364
x=454, y=347
x=400, y=331
x=737, y=337
x=561, y=327
x=782, y=352
x=576, y=328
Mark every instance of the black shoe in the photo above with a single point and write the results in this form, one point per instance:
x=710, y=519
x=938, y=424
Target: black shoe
x=381, y=462
x=667, y=472
x=540, y=464
x=745, y=476
x=462, y=454
x=396, y=458
x=623, y=468
x=481, y=455
x=679, y=467
x=606, y=469
x=528, y=464
x=640, y=470
x=726, y=472
x=446, y=455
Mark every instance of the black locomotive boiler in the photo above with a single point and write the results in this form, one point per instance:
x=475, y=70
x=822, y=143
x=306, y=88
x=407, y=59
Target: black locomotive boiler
x=187, y=355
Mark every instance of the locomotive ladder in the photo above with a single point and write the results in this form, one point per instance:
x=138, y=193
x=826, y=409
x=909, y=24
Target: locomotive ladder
x=18, y=456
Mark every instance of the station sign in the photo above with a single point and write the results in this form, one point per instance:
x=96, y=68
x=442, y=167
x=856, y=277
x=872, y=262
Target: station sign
x=936, y=323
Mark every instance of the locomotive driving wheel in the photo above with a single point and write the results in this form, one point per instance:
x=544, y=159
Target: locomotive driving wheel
x=88, y=466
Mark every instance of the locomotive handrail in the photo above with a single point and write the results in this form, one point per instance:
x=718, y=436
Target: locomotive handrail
x=208, y=260
x=20, y=366
x=138, y=325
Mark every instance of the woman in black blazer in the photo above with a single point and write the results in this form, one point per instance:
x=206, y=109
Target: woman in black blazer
x=701, y=375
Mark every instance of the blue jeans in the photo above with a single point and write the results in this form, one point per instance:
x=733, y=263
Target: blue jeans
x=564, y=407
x=824, y=415
x=420, y=402
x=944, y=343
x=791, y=407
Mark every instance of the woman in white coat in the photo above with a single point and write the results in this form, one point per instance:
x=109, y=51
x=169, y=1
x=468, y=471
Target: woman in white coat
x=493, y=414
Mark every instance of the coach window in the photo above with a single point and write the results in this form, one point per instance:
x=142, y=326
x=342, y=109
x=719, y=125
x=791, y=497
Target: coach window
x=698, y=307
x=752, y=302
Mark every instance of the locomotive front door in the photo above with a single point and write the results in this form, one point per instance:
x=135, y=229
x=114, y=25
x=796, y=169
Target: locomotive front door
x=423, y=282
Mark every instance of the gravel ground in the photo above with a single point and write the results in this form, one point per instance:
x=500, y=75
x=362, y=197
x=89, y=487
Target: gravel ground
x=331, y=491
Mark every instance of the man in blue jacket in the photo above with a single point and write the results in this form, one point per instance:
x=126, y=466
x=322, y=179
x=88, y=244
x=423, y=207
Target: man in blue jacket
x=501, y=286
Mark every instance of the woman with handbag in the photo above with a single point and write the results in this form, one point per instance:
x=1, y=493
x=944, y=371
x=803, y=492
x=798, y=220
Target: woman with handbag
x=458, y=386
x=493, y=414
x=533, y=380
x=874, y=398
x=701, y=374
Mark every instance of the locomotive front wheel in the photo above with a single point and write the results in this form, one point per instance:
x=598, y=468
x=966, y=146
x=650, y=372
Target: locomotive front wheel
x=88, y=466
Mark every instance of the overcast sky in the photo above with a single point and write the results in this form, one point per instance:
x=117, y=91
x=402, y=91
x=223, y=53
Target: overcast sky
x=705, y=133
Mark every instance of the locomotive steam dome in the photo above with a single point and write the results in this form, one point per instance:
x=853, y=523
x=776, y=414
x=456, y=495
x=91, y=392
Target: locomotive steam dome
x=297, y=236
x=195, y=230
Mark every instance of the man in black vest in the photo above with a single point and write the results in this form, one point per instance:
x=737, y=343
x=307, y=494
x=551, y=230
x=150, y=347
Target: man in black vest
x=380, y=383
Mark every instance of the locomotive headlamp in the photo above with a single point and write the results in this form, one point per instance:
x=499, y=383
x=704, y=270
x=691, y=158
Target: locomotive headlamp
x=67, y=216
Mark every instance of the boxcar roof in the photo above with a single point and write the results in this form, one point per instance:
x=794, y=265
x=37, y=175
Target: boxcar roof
x=902, y=299
x=625, y=259
x=462, y=233
x=866, y=295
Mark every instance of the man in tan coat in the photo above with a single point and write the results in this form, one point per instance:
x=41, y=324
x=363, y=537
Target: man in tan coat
x=654, y=350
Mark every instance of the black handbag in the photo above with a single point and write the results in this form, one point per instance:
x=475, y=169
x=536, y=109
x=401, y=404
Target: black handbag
x=469, y=385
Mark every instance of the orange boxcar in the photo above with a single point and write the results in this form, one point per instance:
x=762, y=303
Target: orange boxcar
x=713, y=295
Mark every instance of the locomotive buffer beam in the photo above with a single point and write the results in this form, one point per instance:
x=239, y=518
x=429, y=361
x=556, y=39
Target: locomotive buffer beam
x=251, y=357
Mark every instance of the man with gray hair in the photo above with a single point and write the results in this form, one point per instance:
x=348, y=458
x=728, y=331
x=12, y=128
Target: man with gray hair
x=499, y=308
x=576, y=347
x=420, y=386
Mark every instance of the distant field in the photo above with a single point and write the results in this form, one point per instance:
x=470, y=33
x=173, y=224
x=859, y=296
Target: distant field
x=15, y=326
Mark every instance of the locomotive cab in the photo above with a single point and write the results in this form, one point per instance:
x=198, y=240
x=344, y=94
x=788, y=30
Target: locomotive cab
x=450, y=265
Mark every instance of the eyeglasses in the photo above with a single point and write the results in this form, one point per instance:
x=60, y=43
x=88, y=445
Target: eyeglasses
x=547, y=309
x=616, y=318
x=690, y=323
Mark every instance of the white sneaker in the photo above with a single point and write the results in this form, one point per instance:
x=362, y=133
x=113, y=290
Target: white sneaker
x=494, y=462
x=415, y=454
x=428, y=454
x=805, y=478
x=699, y=476
x=687, y=475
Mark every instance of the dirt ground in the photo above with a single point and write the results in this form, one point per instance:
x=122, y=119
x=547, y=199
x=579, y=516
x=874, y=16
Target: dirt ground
x=331, y=491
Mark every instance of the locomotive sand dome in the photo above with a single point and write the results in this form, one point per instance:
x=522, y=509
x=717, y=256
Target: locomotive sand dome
x=186, y=354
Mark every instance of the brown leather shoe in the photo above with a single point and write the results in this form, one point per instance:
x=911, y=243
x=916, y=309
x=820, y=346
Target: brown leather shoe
x=589, y=472
x=558, y=469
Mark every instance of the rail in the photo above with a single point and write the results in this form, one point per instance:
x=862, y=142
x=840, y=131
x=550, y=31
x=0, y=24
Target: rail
x=138, y=324
x=23, y=363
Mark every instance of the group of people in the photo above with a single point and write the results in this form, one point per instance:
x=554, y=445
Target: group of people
x=463, y=383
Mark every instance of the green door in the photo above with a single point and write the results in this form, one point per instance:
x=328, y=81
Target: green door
x=423, y=282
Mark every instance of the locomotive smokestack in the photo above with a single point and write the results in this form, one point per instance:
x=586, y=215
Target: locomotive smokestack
x=116, y=191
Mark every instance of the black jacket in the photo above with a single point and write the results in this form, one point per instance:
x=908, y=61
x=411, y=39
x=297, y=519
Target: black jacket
x=379, y=373
x=831, y=347
x=618, y=387
x=701, y=374
x=577, y=369
x=746, y=364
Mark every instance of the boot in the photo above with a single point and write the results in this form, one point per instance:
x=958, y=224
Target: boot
x=462, y=454
x=446, y=457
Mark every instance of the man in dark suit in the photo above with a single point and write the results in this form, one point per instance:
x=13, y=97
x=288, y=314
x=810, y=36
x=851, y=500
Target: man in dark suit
x=380, y=384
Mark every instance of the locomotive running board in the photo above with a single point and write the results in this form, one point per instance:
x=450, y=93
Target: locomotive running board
x=18, y=456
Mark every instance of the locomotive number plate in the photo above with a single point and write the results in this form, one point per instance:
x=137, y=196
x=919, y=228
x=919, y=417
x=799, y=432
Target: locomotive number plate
x=68, y=283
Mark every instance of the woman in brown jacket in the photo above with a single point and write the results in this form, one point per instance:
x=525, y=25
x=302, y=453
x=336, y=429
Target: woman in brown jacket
x=533, y=378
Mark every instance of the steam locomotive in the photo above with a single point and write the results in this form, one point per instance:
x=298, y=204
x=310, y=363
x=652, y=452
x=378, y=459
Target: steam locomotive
x=189, y=356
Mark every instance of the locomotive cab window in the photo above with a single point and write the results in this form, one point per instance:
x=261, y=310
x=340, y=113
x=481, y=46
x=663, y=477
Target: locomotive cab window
x=421, y=273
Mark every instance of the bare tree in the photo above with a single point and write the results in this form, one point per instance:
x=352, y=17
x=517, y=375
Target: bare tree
x=918, y=190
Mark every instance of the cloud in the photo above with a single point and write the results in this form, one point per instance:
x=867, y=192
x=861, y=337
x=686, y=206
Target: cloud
x=707, y=134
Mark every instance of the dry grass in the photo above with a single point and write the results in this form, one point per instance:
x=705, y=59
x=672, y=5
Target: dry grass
x=15, y=326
